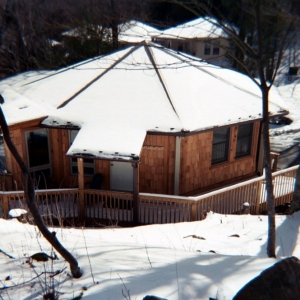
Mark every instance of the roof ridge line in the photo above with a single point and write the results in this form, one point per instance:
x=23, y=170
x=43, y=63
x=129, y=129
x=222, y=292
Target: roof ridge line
x=152, y=60
x=99, y=76
x=191, y=60
x=63, y=70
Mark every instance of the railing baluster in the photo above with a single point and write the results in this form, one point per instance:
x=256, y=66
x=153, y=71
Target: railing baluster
x=117, y=206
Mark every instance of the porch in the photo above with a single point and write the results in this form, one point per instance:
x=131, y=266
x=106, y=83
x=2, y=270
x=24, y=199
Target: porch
x=72, y=207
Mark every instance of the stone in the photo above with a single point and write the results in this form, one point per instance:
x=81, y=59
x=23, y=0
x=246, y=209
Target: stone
x=246, y=208
x=295, y=206
x=151, y=297
x=279, y=282
x=42, y=256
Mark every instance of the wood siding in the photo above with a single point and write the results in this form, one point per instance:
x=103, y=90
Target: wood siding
x=196, y=154
x=11, y=164
x=157, y=165
x=61, y=168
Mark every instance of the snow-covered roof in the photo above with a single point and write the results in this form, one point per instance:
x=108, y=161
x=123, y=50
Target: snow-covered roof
x=128, y=32
x=116, y=99
x=136, y=32
x=198, y=28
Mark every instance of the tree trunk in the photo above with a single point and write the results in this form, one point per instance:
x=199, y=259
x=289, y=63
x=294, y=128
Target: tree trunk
x=114, y=25
x=5, y=20
x=268, y=175
x=30, y=201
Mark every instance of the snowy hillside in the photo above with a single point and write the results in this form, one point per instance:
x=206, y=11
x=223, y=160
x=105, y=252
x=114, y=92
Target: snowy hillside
x=197, y=260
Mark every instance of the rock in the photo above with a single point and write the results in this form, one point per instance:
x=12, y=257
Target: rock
x=295, y=206
x=42, y=256
x=281, y=281
x=151, y=297
x=17, y=212
x=246, y=208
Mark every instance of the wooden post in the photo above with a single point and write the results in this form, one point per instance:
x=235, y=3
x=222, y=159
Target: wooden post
x=177, y=165
x=258, y=196
x=194, y=211
x=81, y=214
x=5, y=206
x=135, y=193
x=261, y=155
x=274, y=161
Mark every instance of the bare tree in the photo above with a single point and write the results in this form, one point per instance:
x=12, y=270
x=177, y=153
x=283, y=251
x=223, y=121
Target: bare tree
x=27, y=32
x=32, y=32
x=29, y=193
x=260, y=31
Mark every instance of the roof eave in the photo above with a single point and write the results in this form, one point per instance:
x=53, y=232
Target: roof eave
x=108, y=156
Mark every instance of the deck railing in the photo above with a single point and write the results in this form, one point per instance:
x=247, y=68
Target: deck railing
x=108, y=207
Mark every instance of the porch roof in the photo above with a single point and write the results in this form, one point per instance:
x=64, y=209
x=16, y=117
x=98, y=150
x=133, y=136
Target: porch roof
x=116, y=99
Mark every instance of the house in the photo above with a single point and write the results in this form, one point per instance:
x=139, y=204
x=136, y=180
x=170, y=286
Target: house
x=199, y=37
x=146, y=118
x=133, y=32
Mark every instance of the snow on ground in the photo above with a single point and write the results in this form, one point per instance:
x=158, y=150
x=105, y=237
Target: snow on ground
x=285, y=138
x=196, y=260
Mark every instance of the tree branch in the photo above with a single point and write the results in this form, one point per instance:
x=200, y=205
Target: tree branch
x=29, y=193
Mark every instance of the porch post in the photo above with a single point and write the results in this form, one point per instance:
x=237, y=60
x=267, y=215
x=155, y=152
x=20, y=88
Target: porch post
x=81, y=188
x=261, y=160
x=258, y=196
x=135, y=193
x=177, y=165
x=5, y=206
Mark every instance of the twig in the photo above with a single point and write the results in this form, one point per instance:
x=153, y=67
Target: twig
x=195, y=237
x=88, y=257
x=57, y=272
x=39, y=275
x=146, y=249
x=127, y=295
x=177, y=274
x=1, y=251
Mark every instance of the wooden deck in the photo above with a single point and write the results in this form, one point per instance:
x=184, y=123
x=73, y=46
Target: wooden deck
x=63, y=206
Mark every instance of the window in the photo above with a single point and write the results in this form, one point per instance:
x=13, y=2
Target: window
x=216, y=48
x=207, y=49
x=188, y=47
x=180, y=46
x=244, y=140
x=220, y=145
x=38, y=154
x=88, y=163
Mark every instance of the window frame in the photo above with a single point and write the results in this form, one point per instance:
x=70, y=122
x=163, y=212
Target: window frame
x=207, y=48
x=73, y=161
x=216, y=48
x=226, y=144
x=249, y=144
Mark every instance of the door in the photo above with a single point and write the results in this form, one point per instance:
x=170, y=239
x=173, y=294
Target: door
x=38, y=156
x=121, y=176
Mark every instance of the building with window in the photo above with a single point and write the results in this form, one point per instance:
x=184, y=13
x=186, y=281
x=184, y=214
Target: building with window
x=145, y=116
x=199, y=37
x=134, y=32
